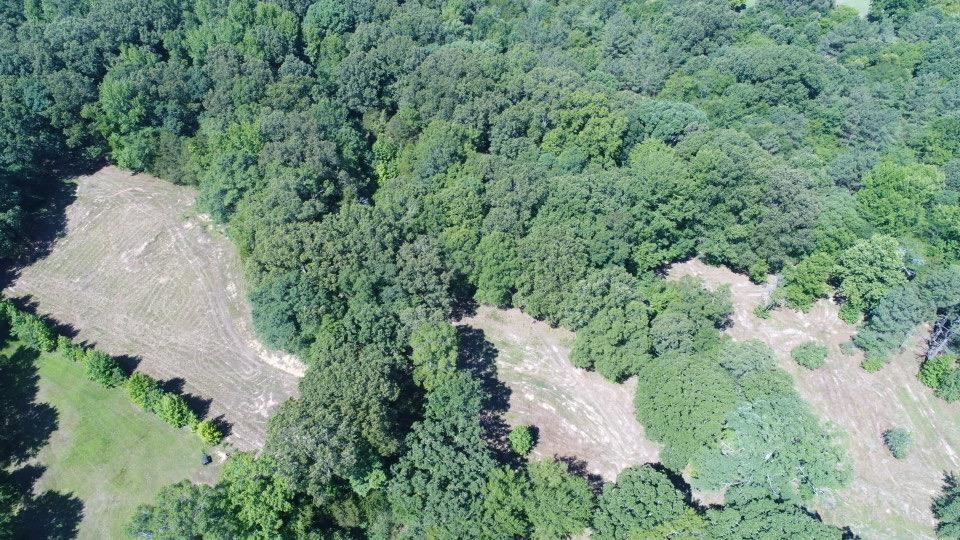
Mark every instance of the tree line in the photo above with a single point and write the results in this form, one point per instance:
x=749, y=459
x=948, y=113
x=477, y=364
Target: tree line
x=382, y=164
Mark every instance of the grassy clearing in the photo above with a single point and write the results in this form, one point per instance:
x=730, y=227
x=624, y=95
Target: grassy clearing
x=863, y=6
x=136, y=279
x=105, y=451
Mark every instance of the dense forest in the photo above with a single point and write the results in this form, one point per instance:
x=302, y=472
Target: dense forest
x=383, y=165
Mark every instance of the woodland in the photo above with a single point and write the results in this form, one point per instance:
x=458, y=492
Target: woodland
x=383, y=166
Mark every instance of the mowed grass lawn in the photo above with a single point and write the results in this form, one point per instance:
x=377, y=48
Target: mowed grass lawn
x=106, y=451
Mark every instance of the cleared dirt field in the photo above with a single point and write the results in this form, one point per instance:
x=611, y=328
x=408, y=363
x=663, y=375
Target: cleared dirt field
x=579, y=414
x=139, y=273
x=889, y=498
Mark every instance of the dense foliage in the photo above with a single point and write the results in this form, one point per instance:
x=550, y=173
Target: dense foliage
x=381, y=164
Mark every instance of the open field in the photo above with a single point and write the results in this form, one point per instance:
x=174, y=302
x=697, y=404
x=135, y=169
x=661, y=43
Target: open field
x=863, y=6
x=140, y=274
x=104, y=450
x=579, y=414
x=889, y=498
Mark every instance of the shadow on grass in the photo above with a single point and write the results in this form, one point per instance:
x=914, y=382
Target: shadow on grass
x=25, y=428
x=51, y=515
x=25, y=425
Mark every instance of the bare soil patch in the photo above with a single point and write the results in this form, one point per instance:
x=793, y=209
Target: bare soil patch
x=889, y=498
x=578, y=413
x=139, y=273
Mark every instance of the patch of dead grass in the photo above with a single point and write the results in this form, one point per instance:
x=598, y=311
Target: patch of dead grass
x=139, y=273
x=889, y=498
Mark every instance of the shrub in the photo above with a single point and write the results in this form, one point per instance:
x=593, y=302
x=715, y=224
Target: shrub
x=899, y=441
x=873, y=364
x=144, y=390
x=810, y=355
x=29, y=328
x=949, y=388
x=103, y=368
x=522, y=439
x=173, y=409
x=208, y=432
x=935, y=370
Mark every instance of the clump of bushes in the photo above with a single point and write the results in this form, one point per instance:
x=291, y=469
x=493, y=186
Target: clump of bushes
x=810, y=355
x=898, y=441
x=941, y=374
x=873, y=364
x=29, y=328
x=104, y=369
x=522, y=439
x=172, y=408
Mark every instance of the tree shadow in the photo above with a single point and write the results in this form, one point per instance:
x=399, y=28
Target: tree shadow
x=479, y=357
x=45, y=201
x=225, y=427
x=25, y=428
x=174, y=385
x=51, y=515
x=198, y=404
x=25, y=424
x=578, y=467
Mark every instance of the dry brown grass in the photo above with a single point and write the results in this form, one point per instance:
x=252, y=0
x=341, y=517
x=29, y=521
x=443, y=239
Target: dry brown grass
x=140, y=273
x=889, y=498
x=579, y=414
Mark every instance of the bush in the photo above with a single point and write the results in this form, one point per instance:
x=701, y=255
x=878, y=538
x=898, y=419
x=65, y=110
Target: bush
x=173, y=409
x=522, y=439
x=949, y=388
x=208, y=432
x=29, y=328
x=899, y=441
x=873, y=364
x=144, y=390
x=935, y=370
x=103, y=368
x=810, y=355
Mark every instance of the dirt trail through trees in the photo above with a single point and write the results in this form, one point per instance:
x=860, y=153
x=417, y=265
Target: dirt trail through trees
x=889, y=498
x=139, y=273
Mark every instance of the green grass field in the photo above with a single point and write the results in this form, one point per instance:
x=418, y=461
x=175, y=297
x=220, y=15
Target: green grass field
x=106, y=451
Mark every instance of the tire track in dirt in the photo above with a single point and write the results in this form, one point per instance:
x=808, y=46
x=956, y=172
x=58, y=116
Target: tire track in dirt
x=139, y=273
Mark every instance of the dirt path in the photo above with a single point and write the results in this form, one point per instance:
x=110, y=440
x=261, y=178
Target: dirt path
x=139, y=273
x=889, y=498
x=579, y=413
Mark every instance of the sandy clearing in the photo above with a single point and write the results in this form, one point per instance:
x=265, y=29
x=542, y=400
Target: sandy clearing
x=579, y=413
x=889, y=498
x=139, y=273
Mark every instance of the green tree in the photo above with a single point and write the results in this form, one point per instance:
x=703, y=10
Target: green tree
x=896, y=198
x=144, y=390
x=946, y=508
x=209, y=432
x=642, y=499
x=559, y=503
x=103, y=368
x=434, y=353
x=898, y=441
x=522, y=439
x=437, y=484
x=810, y=355
x=935, y=370
x=174, y=410
x=683, y=402
x=868, y=269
